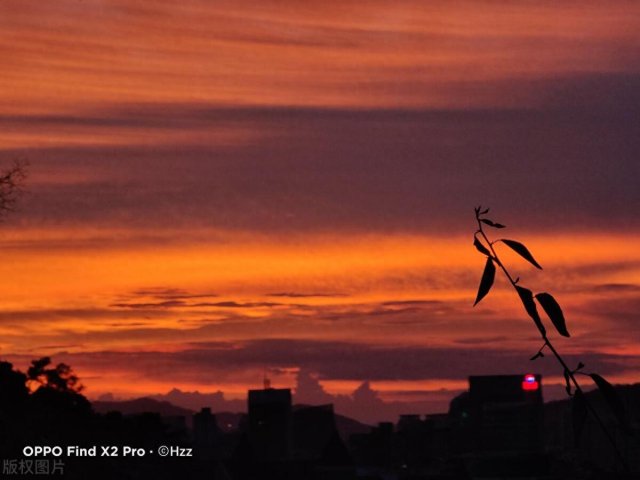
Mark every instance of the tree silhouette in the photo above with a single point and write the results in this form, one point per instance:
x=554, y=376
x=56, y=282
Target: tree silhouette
x=581, y=407
x=56, y=388
x=60, y=378
x=44, y=404
x=13, y=388
x=11, y=182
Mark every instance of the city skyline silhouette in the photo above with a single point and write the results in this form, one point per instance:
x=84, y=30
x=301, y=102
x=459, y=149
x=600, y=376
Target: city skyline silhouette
x=215, y=192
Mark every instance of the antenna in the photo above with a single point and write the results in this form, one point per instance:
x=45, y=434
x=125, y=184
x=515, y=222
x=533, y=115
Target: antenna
x=266, y=381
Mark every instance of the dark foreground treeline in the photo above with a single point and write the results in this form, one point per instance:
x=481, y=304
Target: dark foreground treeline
x=45, y=407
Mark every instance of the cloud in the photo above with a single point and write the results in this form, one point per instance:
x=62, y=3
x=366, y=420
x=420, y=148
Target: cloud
x=358, y=169
x=178, y=298
x=167, y=293
x=456, y=54
x=165, y=304
x=196, y=400
x=231, y=304
x=481, y=340
x=619, y=310
x=334, y=360
x=363, y=404
x=393, y=303
x=616, y=288
x=56, y=315
x=309, y=391
x=379, y=122
x=183, y=304
x=307, y=295
x=223, y=363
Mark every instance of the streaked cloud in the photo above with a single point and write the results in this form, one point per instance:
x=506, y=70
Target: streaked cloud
x=383, y=53
x=216, y=187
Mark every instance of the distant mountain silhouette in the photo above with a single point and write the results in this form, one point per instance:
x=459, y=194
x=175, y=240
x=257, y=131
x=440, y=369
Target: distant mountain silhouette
x=141, y=405
x=629, y=395
x=195, y=400
x=346, y=426
x=227, y=421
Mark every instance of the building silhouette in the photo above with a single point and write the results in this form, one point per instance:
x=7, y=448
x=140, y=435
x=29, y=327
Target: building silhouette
x=206, y=434
x=270, y=424
x=283, y=442
x=493, y=430
x=506, y=413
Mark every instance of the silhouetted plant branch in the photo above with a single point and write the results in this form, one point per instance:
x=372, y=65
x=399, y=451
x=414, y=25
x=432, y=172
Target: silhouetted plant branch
x=580, y=405
x=11, y=180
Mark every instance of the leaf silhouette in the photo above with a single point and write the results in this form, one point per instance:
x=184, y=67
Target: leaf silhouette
x=578, y=415
x=554, y=312
x=530, y=306
x=612, y=398
x=486, y=281
x=481, y=248
x=521, y=250
x=486, y=221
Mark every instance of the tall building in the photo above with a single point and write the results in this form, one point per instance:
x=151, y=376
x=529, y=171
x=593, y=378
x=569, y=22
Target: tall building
x=270, y=424
x=206, y=434
x=506, y=413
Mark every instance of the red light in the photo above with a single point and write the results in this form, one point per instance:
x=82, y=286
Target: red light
x=529, y=383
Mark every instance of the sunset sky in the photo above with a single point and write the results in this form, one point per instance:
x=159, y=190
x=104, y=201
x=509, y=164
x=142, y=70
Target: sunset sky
x=217, y=188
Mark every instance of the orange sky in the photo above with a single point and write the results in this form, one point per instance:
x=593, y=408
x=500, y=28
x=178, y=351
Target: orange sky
x=69, y=55
x=210, y=181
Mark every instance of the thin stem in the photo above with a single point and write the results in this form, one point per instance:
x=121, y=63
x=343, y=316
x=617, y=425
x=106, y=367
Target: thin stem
x=549, y=345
